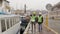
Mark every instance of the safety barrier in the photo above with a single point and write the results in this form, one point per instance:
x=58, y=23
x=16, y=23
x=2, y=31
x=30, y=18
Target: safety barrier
x=27, y=29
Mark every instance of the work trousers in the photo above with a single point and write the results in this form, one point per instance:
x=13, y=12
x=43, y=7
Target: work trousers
x=40, y=27
x=33, y=25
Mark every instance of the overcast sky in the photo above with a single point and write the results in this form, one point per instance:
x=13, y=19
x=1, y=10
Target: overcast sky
x=31, y=4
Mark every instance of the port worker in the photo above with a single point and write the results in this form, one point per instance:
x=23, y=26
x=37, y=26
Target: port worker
x=40, y=21
x=33, y=16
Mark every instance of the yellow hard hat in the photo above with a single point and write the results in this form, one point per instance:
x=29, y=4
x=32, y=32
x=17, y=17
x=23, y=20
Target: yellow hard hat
x=34, y=12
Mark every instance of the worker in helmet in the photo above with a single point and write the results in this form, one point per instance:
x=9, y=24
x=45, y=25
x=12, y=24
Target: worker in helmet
x=40, y=21
x=33, y=16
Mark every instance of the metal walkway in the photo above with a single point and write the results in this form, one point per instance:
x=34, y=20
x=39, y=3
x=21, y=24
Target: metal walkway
x=44, y=30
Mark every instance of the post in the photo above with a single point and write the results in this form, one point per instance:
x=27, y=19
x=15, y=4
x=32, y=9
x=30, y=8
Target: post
x=46, y=20
x=25, y=8
x=0, y=26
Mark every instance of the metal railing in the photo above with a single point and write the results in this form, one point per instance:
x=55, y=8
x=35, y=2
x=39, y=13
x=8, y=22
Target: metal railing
x=27, y=28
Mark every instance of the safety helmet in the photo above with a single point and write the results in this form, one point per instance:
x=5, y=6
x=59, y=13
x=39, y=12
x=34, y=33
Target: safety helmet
x=34, y=12
x=40, y=13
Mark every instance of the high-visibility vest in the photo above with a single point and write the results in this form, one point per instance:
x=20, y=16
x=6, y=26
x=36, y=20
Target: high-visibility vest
x=33, y=18
x=40, y=19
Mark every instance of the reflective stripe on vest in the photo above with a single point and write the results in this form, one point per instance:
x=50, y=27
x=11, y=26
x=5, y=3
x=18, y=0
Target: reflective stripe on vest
x=33, y=18
x=40, y=19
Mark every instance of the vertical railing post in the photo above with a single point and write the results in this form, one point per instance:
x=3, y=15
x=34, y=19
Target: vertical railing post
x=9, y=23
x=6, y=24
x=46, y=20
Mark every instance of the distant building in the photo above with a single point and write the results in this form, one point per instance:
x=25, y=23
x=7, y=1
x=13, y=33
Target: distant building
x=0, y=2
x=21, y=12
x=4, y=4
x=18, y=12
x=55, y=11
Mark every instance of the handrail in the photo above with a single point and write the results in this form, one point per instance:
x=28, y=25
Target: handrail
x=27, y=29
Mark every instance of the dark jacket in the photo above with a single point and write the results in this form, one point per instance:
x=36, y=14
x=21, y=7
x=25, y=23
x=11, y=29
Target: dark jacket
x=36, y=19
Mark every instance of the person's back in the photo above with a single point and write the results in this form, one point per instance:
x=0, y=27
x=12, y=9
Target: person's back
x=24, y=22
x=28, y=18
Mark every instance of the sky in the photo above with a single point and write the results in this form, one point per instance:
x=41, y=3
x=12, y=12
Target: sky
x=31, y=4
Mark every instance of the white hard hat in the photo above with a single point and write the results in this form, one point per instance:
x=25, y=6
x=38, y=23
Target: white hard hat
x=39, y=13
